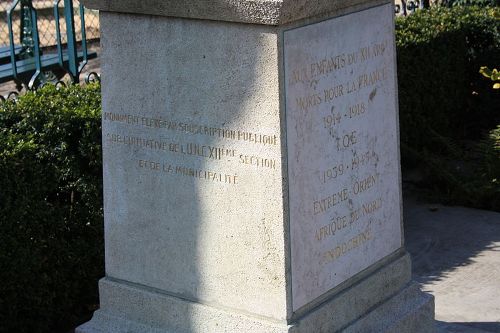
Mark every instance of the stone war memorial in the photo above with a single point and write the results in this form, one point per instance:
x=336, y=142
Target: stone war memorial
x=251, y=169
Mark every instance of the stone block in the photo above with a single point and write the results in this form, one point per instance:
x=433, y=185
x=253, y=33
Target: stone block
x=251, y=171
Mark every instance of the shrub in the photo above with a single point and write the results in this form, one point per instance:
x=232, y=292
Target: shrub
x=439, y=54
x=446, y=106
x=492, y=74
x=489, y=170
x=482, y=3
x=51, y=219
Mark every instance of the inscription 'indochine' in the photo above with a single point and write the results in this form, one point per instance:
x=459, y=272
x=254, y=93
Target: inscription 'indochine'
x=345, y=247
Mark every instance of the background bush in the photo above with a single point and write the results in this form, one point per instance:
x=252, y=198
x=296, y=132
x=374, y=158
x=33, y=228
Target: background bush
x=448, y=111
x=51, y=222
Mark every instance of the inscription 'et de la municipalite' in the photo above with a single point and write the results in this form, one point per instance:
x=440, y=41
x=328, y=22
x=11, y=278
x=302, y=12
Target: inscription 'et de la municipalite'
x=208, y=175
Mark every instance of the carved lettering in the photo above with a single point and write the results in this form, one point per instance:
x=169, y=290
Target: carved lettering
x=325, y=204
x=345, y=247
x=364, y=184
x=193, y=129
x=258, y=161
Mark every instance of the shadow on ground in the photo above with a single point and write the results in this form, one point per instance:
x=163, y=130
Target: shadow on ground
x=456, y=257
x=441, y=238
x=468, y=327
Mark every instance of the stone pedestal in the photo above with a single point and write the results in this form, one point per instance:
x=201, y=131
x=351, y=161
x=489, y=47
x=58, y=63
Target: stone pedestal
x=251, y=169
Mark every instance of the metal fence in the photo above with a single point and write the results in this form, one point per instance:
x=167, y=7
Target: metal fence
x=406, y=7
x=47, y=23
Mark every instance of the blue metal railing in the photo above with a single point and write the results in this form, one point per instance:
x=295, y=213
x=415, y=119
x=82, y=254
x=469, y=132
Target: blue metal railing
x=73, y=69
x=30, y=59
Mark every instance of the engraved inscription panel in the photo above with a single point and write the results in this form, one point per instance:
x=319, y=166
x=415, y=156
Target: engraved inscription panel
x=192, y=161
x=343, y=158
x=164, y=139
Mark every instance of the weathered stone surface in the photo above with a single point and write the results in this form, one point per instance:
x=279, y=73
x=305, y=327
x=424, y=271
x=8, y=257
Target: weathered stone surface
x=192, y=160
x=342, y=141
x=410, y=311
x=269, y=12
x=135, y=309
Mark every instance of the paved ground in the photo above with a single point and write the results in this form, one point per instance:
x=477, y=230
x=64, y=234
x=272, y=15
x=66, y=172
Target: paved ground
x=456, y=257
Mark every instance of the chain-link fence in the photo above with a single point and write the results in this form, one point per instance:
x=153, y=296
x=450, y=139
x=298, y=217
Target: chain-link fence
x=47, y=23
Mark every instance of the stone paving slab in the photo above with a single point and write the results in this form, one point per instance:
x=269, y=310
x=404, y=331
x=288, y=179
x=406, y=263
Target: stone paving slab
x=456, y=257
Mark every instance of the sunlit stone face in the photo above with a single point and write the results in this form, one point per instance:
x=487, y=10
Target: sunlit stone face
x=342, y=143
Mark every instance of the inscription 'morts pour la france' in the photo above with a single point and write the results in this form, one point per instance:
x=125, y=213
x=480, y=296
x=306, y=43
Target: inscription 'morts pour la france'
x=343, y=157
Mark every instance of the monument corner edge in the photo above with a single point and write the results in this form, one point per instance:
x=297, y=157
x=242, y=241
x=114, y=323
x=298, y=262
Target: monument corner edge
x=263, y=12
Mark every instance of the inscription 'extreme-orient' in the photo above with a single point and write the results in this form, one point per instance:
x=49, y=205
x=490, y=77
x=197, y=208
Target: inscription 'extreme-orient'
x=342, y=149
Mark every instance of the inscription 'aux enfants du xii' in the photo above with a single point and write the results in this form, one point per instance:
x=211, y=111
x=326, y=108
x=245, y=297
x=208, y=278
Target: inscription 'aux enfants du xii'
x=317, y=69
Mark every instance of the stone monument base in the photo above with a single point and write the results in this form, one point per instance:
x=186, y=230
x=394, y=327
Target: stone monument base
x=384, y=300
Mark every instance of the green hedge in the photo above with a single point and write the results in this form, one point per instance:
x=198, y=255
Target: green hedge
x=446, y=106
x=51, y=223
